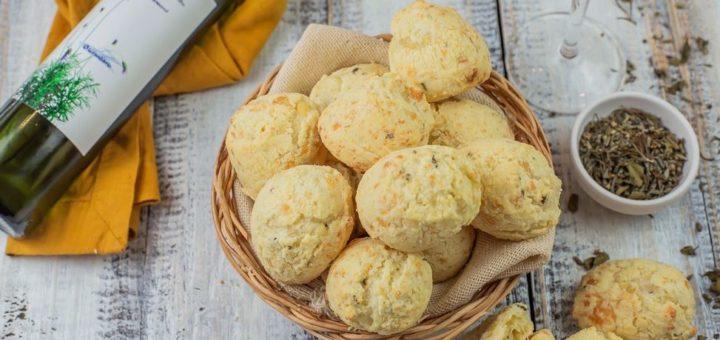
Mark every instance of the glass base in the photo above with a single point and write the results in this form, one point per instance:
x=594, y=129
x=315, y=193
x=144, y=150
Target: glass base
x=554, y=83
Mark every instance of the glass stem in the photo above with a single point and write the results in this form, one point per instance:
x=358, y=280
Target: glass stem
x=569, y=47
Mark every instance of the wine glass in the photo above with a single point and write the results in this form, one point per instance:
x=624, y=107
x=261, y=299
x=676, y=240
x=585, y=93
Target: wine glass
x=562, y=62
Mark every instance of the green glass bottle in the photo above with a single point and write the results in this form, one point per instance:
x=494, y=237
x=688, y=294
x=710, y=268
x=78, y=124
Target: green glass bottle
x=85, y=90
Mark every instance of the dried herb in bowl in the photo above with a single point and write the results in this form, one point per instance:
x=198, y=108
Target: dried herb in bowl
x=632, y=154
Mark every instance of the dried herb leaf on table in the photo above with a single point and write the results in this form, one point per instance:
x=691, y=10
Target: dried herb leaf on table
x=688, y=250
x=573, y=203
x=599, y=257
x=631, y=154
x=702, y=45
x=684, y=55
x=714, y=277
x=676, y=87
x=629, y=72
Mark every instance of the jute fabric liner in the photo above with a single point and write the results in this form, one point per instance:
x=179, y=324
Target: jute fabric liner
x=323, y=49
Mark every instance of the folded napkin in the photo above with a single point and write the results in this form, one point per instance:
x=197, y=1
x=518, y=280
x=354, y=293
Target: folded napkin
x=101, y=209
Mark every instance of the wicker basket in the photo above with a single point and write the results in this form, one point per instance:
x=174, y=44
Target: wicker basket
x=234, y=238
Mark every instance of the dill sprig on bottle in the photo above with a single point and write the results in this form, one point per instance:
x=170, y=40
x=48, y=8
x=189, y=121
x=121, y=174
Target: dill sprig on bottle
x=58, y=89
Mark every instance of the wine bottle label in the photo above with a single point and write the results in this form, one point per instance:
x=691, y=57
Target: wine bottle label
x=94, y=74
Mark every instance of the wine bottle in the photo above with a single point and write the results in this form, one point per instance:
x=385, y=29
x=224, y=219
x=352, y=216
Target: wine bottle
x=82, y=94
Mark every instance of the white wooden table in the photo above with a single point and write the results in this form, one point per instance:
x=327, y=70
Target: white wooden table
x=174, y=282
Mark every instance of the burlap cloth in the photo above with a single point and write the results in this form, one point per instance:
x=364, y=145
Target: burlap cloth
x=323, y=49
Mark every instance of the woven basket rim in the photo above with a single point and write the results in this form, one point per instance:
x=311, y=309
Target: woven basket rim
x=234, y=238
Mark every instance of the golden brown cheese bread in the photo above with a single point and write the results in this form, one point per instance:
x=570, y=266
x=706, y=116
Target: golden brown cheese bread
x=511, y=323
x=593, y=333
x=330, y=85
x=378, y=289
x=269, y=134
x=301, y=220
x=636, y=299
x=521, y=194
x=542, y=334
x=368, y=122
x=435, y=48
x=459, y=122
x=449, y=256
x=353, y=179
x=415, y=198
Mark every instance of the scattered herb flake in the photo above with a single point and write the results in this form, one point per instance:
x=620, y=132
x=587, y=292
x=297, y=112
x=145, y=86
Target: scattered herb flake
x=702, y=45
x=676, y=87
x=573, y=203
x=599, y=257
x=715, y=288
x=684, y=55
x=685, y=51
x=582, y=263
x=660, y=73
x=712, y=275
x=629, y=72
x=627, y=11
x=688, y=250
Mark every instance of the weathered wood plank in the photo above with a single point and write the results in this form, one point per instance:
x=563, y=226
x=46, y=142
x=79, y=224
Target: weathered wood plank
x=594, y=227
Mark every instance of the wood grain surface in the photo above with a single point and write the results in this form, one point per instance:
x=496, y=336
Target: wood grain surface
x=174, y=282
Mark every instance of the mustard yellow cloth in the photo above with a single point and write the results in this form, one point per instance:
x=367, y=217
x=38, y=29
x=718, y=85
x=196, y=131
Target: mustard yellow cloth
x=101, y=210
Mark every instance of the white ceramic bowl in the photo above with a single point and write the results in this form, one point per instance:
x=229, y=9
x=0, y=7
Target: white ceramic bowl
x=671, y=118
